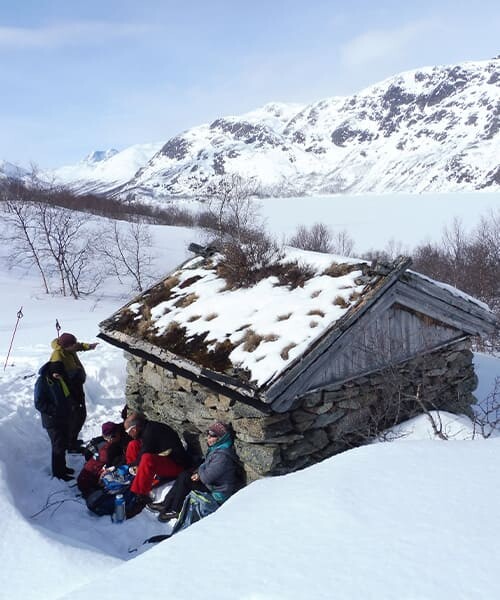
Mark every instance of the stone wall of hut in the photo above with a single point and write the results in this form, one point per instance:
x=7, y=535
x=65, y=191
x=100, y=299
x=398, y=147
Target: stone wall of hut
x=321, y=424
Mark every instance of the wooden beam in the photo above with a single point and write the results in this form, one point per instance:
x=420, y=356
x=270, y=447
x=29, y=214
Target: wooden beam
x=216, y=382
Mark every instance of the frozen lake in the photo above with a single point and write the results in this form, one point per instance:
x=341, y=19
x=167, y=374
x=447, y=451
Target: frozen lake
x=372, y=220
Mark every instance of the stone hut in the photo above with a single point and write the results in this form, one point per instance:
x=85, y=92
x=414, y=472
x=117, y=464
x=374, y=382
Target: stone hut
x=312, y=355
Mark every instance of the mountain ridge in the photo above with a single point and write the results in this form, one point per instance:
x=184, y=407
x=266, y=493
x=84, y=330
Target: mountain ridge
x=425, y=130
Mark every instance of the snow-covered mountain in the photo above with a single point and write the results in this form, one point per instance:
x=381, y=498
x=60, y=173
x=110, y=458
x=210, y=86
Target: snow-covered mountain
x=10, y=171
x=105, y=170
x=431, y=129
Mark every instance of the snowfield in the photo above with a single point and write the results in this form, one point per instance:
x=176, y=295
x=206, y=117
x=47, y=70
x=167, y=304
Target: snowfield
x=412, y=519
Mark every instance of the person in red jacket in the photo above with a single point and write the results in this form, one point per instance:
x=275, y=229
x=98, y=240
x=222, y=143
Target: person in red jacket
x=110, y=454
x=157, y=451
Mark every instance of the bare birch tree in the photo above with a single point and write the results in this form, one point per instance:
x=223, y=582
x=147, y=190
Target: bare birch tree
x=68, y=247
x=128, y=249
x=320, y=238
x=237, y=229
x=233, y=209
x=22, y=234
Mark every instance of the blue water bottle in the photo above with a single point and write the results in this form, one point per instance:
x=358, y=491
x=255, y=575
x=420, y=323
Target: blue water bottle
x=119, y=514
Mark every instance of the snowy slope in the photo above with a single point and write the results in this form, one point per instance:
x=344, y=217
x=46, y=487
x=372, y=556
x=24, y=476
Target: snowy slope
x=402, y=521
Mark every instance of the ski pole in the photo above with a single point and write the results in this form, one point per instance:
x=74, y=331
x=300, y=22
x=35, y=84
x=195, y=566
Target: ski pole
x=58, y=328
x=19, y=317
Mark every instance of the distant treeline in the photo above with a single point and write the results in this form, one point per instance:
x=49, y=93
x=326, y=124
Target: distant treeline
x=123, y=209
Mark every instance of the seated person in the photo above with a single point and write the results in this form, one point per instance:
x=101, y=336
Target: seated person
x=218, y=474
x=109, y=454
x=157, y=450
x=91, y=448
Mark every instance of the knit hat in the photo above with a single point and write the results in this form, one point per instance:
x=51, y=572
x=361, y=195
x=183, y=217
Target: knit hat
x=218, y=429
x=66, y=340
x=109, y=428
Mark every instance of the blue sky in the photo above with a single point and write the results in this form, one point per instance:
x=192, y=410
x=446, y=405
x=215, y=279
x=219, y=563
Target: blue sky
x=80, y=76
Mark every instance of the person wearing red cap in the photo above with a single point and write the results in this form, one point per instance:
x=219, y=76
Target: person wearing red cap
x=64, y=353
x=109, y=454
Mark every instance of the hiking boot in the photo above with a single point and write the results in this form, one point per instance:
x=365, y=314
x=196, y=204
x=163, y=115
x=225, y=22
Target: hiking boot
x=168, y=515
x=156, y=506
x=136, y=506
x=69, y=471
x=64, y=477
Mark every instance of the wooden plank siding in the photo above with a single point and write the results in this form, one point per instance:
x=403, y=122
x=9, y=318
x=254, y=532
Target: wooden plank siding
x=373, y=343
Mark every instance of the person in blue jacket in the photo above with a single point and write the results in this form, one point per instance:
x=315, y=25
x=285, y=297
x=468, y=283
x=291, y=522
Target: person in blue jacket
x=218, y=474
x=53, y=400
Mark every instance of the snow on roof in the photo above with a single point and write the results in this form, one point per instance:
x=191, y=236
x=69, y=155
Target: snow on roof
x=453, y=290
x=256, y=330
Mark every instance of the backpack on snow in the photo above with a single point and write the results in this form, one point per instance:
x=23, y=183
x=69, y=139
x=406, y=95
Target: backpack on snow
x=102, y=502
x=196, y=505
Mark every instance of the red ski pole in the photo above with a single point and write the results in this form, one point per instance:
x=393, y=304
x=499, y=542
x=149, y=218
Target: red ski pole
x=19, y=317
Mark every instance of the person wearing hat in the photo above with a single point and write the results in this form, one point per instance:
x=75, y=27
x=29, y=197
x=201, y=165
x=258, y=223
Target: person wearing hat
x=218, y=474
x=64, y=352
x=109, y=454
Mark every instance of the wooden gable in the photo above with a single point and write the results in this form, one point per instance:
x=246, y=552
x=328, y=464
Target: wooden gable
x=411, y=316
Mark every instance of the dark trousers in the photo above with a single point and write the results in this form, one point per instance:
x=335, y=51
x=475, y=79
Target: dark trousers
x=181, y=488
x=59, y=441
x=78, y=414
x=76, y=421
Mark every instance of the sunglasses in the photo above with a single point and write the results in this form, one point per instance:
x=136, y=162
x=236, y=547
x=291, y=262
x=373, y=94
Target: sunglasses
x=211, y=434
x=130, y=429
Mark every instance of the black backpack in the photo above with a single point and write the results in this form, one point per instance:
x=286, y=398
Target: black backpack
x=49, y=396
x=91, y=449
x=42, y=394
x=102, y=502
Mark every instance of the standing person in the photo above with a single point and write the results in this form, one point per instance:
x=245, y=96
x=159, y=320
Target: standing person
x=157, y=450
x=64, y=351
x=218, y=474
x=53, y=400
